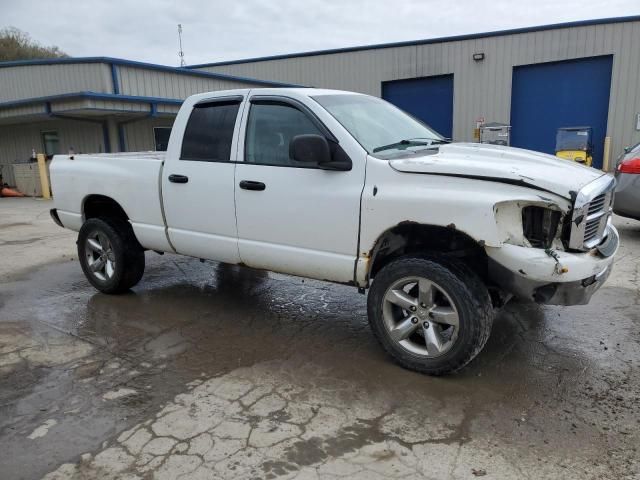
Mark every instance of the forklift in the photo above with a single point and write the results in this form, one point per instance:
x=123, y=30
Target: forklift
x=575, y=143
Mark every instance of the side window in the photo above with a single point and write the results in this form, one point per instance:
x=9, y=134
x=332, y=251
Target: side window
x=209, y=131
x=270, y=129
x=161, y=137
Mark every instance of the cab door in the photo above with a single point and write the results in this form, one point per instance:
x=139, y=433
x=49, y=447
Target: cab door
x=292, y=217
x=198, y=182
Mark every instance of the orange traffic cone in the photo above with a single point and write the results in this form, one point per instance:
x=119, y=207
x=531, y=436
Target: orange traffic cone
x=10, y=192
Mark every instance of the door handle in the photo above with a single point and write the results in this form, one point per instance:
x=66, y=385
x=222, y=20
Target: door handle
x=173, y=178
x=251, y=185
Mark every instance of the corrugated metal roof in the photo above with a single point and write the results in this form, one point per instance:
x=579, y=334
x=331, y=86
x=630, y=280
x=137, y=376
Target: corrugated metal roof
x=142, y=65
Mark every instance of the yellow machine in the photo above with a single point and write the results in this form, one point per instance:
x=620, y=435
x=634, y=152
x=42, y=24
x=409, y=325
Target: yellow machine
x=574, y=143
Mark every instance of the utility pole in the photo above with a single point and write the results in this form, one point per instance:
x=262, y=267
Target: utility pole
x=181, y=53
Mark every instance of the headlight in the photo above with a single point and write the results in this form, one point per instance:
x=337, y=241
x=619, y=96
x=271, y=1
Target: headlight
x=540, y=225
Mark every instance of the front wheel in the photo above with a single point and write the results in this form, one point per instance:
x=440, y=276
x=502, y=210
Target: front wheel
x=431, y=315
x=110, y=256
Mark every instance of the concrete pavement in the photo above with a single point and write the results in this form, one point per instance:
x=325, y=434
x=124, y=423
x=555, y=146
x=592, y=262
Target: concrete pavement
x=210, y=371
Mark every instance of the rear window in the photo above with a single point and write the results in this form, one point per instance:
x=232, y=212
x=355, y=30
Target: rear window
x=209, y=132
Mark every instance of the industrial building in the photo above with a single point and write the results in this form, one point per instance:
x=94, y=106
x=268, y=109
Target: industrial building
x=89, y=105
x=535, y=79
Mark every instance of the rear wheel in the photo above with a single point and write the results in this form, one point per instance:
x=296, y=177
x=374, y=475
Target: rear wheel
x=110, y=256
x=431, y=315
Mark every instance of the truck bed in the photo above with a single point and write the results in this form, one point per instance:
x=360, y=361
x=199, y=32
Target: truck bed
x=132, y=179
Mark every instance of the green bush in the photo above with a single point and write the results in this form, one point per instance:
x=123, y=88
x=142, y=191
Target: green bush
x=18, y=45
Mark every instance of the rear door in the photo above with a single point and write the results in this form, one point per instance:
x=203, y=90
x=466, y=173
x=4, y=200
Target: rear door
x=292, y=217
x=198, y=182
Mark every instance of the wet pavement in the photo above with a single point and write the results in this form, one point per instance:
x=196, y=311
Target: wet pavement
x=211, y=371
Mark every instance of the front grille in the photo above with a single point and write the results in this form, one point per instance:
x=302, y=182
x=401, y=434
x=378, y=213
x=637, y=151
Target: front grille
x=597, y=204
x=591, y=229
x=591, y=212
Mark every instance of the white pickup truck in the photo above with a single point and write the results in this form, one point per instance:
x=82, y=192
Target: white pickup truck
x=345, y=187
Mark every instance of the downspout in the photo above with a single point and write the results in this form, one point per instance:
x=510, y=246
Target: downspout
x=115, y=88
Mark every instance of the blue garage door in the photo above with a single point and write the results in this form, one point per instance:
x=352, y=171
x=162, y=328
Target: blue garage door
x=430, y=99
x=547, y=96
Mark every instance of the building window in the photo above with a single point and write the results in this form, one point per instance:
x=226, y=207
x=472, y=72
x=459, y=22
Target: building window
x=161, y=137
x=51, y=143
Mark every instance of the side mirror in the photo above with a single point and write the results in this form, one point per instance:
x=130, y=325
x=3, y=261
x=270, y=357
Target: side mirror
x=315, y=150
x=310, y=149
x=627, y=149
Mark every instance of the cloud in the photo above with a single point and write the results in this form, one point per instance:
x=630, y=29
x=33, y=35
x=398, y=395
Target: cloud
x=218, y=30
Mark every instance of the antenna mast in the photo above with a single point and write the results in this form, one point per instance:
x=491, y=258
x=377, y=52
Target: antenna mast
x=181, y=53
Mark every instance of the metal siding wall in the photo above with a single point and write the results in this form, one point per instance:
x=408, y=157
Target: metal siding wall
x=480, y=89
x=173, y=109
x=16, y=141
x=151, y=83
x=139, y=135
x=357, y=71
x=41, y=80
x=22, y=111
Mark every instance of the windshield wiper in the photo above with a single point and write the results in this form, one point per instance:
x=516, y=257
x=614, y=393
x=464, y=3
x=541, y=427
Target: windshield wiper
x=410, y=142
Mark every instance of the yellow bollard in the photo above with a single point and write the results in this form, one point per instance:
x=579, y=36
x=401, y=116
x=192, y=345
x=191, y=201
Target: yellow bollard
x=607, y=154
x=44, y=178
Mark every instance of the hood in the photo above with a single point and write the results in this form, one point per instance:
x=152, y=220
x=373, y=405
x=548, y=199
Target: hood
x=503, y=164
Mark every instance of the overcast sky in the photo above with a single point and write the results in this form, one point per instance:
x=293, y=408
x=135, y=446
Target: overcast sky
x=216, y=30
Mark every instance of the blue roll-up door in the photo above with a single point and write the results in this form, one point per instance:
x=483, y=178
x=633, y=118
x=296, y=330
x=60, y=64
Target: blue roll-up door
x=547, y=96
x=430, y=99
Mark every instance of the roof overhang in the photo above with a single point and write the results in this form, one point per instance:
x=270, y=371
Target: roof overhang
x=86, y=105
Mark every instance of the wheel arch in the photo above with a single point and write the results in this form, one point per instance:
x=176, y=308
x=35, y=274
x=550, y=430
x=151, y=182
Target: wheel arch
x=96, y=205
x=408, y=237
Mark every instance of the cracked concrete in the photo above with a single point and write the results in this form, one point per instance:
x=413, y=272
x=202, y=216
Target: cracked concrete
x=207, y=371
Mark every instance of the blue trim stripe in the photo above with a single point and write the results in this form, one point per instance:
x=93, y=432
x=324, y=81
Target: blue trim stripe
x=92, y=96
x=145, y=66
x=456, y=38
x=115, y=84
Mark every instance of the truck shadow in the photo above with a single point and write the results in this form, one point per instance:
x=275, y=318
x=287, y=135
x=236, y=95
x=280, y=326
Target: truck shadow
x=232, y=317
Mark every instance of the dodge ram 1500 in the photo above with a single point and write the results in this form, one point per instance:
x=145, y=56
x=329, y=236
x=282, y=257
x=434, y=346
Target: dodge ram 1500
x=345, y=187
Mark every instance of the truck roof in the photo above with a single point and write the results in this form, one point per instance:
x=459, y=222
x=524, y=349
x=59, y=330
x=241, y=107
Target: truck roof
x=302, y=91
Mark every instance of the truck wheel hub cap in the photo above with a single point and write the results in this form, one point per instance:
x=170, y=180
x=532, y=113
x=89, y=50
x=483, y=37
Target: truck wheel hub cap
x=420, y=316
x=100, y=257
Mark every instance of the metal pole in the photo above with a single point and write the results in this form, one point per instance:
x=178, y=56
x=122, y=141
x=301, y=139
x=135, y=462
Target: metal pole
x=607, y=154
x=181, y=53
x=44, y=178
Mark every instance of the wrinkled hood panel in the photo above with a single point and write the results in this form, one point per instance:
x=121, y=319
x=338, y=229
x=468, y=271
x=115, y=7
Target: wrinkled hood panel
x=497, y=163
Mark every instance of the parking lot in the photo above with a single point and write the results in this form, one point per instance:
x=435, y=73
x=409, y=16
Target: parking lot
x=213, y=371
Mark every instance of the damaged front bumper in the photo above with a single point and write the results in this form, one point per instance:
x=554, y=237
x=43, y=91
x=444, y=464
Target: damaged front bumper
x=553, y=278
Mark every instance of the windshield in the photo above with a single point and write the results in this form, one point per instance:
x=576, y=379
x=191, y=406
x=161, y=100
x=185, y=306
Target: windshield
x=377, y=125
x=573, y=140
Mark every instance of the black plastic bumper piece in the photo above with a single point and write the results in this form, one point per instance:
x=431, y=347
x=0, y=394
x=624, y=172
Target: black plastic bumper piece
x=54, y=215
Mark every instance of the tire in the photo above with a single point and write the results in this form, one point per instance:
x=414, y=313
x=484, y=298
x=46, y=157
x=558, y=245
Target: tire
x=455, y=291
x=115, y=245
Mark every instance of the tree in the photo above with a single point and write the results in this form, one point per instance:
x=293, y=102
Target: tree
x=18, y=45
